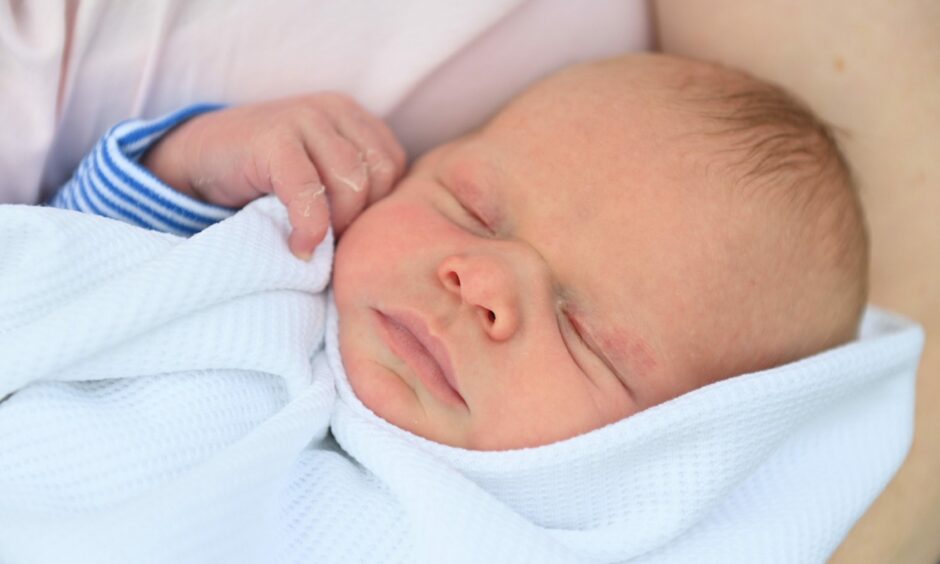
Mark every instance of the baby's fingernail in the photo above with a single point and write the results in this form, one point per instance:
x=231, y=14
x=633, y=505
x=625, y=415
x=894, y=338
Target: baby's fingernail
x=304, y=256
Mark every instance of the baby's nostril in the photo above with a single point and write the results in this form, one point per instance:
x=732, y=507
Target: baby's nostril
x=491, y=315
x=454, y=278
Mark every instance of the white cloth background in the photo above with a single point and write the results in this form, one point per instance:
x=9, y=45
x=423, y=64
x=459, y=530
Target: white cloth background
x=168, y=412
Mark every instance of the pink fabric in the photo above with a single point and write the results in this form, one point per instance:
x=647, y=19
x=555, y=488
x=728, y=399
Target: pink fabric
x=535, y=39
x=69, y=69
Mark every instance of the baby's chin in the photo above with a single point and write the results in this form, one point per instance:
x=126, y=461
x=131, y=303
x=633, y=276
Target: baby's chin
x=384, y=393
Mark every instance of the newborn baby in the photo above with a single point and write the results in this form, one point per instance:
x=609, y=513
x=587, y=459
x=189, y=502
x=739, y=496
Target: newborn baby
x=621, y=233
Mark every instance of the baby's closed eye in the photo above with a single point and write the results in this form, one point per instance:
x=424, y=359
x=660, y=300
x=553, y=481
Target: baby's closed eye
x=583, y=349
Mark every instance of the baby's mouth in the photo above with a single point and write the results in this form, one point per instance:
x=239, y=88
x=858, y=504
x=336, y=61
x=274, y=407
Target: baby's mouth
x=409, y=339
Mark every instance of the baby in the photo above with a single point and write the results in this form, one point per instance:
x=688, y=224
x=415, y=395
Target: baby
x=621, y=233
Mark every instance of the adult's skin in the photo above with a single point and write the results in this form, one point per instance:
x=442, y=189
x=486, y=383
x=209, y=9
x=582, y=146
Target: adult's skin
x=871, y=68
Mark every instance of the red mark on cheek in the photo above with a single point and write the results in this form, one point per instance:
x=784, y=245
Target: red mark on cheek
x=629, y=352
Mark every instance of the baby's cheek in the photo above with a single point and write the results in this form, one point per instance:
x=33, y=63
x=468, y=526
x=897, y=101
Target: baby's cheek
x=537, y=375
x=395, y=226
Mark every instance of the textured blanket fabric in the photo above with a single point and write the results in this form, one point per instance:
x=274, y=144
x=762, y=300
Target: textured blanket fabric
x=183, y=400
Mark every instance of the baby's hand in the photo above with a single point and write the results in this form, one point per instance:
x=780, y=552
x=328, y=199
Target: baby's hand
x=305, y=150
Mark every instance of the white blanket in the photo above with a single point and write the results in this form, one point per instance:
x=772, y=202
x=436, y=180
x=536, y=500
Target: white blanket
x=165, y=408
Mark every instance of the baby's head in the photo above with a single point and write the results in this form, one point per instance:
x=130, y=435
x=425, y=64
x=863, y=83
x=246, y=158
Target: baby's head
x=621, y=233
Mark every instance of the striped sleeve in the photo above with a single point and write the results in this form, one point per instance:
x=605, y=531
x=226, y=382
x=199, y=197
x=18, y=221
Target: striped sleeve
x=111, y=182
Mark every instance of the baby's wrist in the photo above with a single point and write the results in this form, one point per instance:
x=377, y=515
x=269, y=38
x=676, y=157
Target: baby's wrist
x=166, y=160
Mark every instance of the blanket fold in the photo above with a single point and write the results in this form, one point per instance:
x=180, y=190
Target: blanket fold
x=184, y=400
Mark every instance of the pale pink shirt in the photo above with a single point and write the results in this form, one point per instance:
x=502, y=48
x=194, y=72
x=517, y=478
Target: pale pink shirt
x=70, y=70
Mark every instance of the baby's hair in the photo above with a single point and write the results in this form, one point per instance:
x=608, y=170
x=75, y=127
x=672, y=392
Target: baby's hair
x=768, y=134
x=772, y=146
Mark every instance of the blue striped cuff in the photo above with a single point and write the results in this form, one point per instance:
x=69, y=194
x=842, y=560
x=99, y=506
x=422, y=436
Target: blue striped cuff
x=111, y=182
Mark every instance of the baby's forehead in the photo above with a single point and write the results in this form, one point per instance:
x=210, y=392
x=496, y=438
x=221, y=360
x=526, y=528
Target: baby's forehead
x=601, y=150
x=660, y=196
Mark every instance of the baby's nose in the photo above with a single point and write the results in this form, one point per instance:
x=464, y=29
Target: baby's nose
x=489, y=287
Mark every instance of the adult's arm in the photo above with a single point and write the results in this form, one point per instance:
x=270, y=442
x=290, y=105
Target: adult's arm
x=872, y=69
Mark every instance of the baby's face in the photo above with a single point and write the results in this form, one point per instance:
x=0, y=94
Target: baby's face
x=538, y=279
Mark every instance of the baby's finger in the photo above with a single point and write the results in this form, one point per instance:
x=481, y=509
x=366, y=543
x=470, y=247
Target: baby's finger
x=310, y=216
x=393, y=147
x=383, y=155
x=296, y=182
x=287, y=169
x=343, y=172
